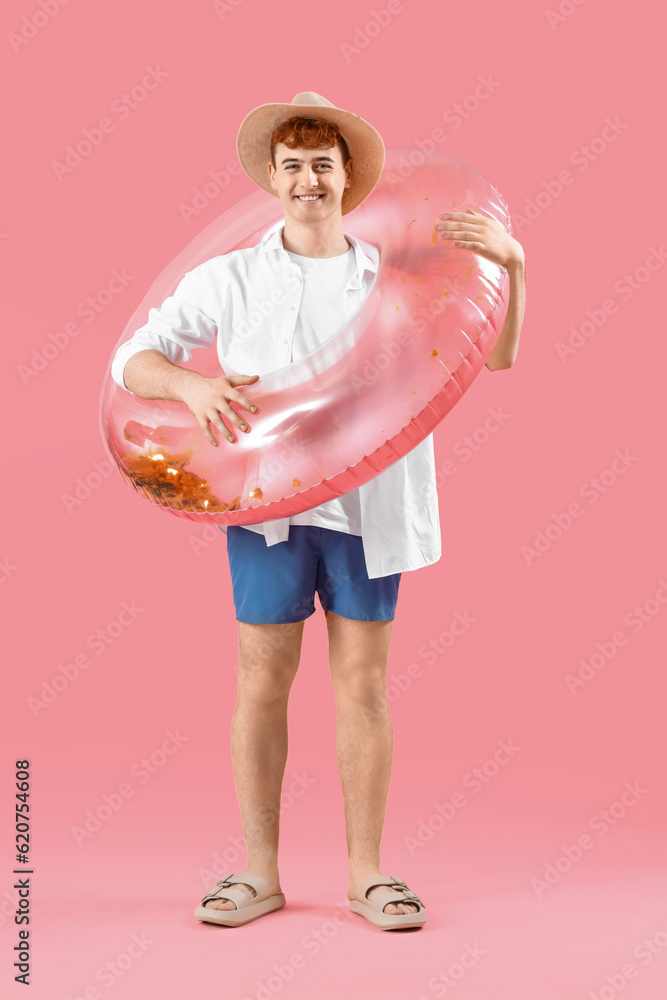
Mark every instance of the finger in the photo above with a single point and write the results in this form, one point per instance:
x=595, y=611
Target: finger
x=460, y=236
x=465, y=241
x=210, y=437
x=471, y=245
x=244, y=401
x=235, y=417
x=222, y=426
x=457, y=223
x=459, y=215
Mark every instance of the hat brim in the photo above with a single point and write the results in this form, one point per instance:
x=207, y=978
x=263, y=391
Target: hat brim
x=364, y=143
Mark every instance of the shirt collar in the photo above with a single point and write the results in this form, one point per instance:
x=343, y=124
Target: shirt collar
x=274, y=241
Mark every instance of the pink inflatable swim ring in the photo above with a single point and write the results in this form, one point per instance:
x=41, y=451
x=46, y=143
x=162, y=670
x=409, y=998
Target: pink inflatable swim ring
x=336, y=418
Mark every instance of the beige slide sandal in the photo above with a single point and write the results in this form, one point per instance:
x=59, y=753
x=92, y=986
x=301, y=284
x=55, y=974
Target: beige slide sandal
x=247, y=907
x=373, y=909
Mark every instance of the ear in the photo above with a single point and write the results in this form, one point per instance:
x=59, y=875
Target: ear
x=272, y=171
x=348, y=172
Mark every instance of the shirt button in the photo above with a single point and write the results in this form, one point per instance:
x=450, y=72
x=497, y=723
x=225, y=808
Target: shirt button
x=284, y=341
x=291, y=307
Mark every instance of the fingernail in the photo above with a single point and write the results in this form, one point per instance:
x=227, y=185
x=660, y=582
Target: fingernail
x=244, y=427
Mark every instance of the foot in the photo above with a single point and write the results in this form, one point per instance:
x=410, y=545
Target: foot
x=228, y=904
x=379, y=890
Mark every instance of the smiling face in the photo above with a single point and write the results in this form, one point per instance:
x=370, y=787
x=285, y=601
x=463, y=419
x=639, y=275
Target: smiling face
x=310, y=182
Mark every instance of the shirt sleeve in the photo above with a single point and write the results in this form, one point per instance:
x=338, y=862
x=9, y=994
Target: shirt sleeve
x=175, y=329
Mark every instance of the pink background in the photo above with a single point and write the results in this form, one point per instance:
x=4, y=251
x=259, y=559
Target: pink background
x=600, y=927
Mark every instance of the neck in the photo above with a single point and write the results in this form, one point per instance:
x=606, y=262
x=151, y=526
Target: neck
x=324, y=240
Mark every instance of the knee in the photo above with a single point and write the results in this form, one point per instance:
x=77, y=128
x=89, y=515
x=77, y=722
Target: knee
x=364, y=688
x=264, y=685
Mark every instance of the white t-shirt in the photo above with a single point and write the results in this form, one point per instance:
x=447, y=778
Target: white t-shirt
x=321, y=314
x=214, y=304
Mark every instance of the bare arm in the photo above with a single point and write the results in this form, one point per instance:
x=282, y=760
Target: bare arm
x=505, y=348
x=489, y=239
x=150, y=375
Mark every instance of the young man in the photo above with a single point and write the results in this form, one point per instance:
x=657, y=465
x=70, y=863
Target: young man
x=321, y=161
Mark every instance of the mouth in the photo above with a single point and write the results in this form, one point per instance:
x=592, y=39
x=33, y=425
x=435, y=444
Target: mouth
x=308, y=199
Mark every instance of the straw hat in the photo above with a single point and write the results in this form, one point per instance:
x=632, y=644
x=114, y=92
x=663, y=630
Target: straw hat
x=364, y=143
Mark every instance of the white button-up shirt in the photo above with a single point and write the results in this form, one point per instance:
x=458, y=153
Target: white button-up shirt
x=240, y=298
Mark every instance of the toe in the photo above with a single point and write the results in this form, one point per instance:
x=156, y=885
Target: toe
x=391, y=908
x=228, y=904
x=400, y=908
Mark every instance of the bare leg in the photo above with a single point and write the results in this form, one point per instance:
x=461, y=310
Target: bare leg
x=358, y=654
x=268, y=661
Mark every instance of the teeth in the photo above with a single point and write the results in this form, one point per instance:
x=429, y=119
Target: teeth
x=308, y=197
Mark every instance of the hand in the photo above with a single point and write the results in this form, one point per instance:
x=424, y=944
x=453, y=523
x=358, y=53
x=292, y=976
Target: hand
x=482, y=235
x=207, y=399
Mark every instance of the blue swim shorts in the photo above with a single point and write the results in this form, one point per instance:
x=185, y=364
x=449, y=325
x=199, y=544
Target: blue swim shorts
x=276, y=584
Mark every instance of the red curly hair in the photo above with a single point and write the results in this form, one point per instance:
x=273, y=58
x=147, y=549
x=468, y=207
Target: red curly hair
x=309, y=133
